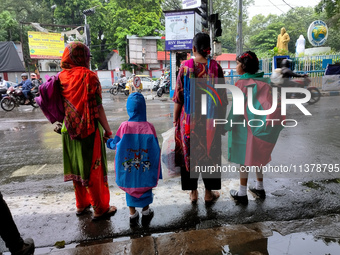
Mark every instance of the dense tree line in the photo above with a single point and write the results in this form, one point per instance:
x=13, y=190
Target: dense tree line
x=115, y=19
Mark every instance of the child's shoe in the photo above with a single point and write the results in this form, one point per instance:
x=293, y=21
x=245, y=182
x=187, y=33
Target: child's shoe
x=260, y=193
x=242, y=200
x=134, y=219
x=146, y=218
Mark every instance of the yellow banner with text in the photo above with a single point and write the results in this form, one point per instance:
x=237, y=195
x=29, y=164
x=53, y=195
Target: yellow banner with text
x=46, y=45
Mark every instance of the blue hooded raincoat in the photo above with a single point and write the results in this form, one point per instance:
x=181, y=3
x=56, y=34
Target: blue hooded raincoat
x=137, y=161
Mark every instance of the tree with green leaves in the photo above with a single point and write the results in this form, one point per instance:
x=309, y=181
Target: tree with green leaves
x=15, y=12
x=71, y=13
x=168, y=5
x=266, y=38
x=330, y=10
x=135, y=17
x=8, y=24
x=227, y=10
x=263, y=30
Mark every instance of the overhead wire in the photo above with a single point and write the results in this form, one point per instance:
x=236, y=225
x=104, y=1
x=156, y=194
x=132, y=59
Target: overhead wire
x=287, y=4
x=276, y=6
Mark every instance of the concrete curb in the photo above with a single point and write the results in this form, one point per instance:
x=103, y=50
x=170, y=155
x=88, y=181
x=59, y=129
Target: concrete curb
x=330, y=93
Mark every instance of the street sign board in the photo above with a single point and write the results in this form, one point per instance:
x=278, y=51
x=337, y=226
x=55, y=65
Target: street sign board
x=190, y=4
x=136, y=81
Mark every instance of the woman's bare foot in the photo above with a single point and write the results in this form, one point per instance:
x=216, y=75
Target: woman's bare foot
x=194, y=196
x=82, y=210
x=112, y=210
x=211, y=196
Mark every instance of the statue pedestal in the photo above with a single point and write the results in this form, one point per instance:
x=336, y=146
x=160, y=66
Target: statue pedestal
x=317, y=50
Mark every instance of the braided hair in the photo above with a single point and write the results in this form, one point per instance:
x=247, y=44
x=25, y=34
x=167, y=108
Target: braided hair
x=249, y=61
x=201, y=42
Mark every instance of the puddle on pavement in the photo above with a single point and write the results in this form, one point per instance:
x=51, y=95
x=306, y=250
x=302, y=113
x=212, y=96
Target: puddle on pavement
x=335, y=180
x=292, y=244
x=317, y=184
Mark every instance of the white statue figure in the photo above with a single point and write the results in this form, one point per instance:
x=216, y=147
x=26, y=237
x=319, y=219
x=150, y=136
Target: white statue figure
x=300, y=45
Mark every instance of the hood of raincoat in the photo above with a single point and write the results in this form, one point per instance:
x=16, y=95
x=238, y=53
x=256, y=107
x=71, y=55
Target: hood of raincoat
x=136, y=107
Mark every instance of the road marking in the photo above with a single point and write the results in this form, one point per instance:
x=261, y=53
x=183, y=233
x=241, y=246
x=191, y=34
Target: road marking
x=36, y=172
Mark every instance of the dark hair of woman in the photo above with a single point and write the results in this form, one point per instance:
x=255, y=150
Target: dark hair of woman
x=201, y=42
x=249, y=61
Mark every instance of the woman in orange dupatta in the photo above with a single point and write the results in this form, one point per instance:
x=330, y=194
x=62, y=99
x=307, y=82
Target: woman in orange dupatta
x=84, y=151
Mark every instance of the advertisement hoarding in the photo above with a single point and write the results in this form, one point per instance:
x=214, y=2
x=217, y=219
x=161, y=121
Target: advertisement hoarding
x=179, y=30
x=46, y=45
x=143, y=50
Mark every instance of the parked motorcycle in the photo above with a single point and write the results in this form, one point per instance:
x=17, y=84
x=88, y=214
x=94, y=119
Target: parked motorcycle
x=156, y=85
x=117, y=87
x=15, y=98
x=164, y=88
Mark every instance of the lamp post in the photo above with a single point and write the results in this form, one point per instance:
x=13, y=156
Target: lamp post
x=86, y=13
x=53, y=8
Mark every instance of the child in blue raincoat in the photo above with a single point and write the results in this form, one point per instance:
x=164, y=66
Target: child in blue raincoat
x=137, y=161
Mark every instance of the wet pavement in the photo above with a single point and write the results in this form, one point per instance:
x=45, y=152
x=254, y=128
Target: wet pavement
x=43, y=205
x=290, y=238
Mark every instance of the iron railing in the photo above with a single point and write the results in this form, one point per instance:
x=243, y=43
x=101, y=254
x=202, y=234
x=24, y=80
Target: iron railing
x=315, y=76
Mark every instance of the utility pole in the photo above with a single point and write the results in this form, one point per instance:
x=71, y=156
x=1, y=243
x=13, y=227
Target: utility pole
x=211, y=27
x=87, y=27
x=239, y=40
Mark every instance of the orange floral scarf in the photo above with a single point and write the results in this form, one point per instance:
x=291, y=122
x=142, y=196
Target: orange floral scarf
x=80, y=89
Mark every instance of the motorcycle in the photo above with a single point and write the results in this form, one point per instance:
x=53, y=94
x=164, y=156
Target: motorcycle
x=305, y=83
x=3, y=92
x=156, y=85
x=164, y=88
x=15, y=98
x=314, y=91
x=117, y=87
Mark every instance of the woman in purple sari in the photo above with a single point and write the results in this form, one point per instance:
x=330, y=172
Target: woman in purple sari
x=195, y=134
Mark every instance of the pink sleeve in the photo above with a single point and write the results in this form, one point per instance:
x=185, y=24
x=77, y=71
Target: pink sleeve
x=121, y=130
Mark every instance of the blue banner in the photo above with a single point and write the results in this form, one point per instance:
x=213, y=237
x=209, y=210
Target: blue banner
x=178, y=44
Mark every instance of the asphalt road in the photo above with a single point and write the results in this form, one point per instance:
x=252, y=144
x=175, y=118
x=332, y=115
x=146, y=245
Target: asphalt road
x=31, y=177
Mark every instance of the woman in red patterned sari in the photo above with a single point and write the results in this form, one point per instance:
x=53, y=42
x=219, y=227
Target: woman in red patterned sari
x=82, y=132
x=197, y=142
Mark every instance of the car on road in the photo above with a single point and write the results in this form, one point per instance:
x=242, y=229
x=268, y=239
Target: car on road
x=147, y=82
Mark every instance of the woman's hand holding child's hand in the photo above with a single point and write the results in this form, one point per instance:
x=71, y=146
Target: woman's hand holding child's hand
x=107, y=136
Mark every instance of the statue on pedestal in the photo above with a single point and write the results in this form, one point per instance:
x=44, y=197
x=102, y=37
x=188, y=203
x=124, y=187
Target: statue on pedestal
x=300, y=45
x=283, y=40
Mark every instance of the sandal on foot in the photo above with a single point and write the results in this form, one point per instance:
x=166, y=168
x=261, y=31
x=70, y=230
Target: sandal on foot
x=215, y=196
x=79, y=213
x=112, y=211
x=193, y=200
